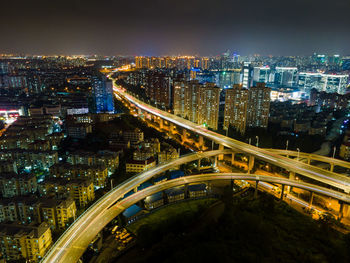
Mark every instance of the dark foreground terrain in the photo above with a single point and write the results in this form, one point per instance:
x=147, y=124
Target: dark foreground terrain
x=248, y=230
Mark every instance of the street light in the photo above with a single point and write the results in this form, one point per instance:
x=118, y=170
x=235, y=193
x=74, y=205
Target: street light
x=257, y=141
x=298, y=153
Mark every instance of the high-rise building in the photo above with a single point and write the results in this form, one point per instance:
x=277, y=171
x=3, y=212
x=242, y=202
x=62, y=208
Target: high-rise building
x=286, y=76
x=102, y=94
x=261, y=74
x=247, y=75
x=197, y=102
x=258, y=106
x=247, y=107
x=329, y=83
x=159, y=88
x=236, y=101
x=205, y=63
x=208, y=105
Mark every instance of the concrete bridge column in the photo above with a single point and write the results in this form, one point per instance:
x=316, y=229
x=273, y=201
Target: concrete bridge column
x=184, y=135
x=282, y=192
x=340, y=213
x=186, y=193
x=171, y=128
x=198, y=163
x=232, y=158
x=308, y=161
x=250, y=163
x=311, y=199
x=161, y=124
x=291, y=177
x=256, y=189
x=215, y=161
x=200, y=142
x=332, y=167
x=346, y=210
x=135, y=189
x=221, y=156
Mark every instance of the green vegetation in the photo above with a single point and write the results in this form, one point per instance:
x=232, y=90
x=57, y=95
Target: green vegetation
x=249, y=230
x=169, y=213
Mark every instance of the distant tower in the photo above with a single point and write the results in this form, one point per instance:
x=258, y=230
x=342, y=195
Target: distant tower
x=247, y=75
x=102, y=94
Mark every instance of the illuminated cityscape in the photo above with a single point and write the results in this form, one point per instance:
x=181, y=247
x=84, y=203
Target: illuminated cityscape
x=183, y=132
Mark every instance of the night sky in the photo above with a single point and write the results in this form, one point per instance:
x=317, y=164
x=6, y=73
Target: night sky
x=201, y=27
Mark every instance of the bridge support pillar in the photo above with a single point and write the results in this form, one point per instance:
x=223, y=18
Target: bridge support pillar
x=186, y=194
x=161, y=124
x=184, y=135
x=282, y=192
x=215, y=161
x=135, y=189
x=291, y=177
x=311, y=199
x=232, y=158
x=250, y=163
x=171, y=128
x=308, y=161
x=199, y=164
x=200, y=142
x=332, y=167
x=340, y=213
x=256, y=189
x=221, y=156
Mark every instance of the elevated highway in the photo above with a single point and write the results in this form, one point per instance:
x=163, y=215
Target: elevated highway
x=76, y=239
x=326, y=177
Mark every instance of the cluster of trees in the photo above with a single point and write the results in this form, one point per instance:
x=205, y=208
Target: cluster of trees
x=261, y=230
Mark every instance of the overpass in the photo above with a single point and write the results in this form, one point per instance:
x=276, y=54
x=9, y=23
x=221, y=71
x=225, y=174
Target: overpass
x=326, y=177
x=73, y=242
x=76, y=239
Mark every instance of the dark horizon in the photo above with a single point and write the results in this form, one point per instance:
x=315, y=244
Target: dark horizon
x=186, y=28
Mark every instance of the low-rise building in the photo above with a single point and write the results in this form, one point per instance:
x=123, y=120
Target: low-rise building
x=98, y=172
x=138, y=166
x=134, y=136
x=22, y=209
x=30, y=159
x=197, y=190
x=79, y=130
x=8, y=166
x=79, y=189
x=12, y=184
x=107, y=158
x=18, y=242
x=154, y=201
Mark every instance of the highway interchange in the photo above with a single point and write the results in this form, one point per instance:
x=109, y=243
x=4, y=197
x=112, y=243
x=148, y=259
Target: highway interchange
x=72, y=244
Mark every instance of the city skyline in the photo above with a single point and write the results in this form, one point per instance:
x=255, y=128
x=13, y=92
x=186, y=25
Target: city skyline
x=159, y=27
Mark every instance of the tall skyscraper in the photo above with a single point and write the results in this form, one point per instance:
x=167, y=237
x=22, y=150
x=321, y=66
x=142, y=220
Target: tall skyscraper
x=208, y=105
x=236, y=101
x=197, y=102
x=159, y=88
x=247, y=75
x=102, y=94
x=258, y=106
x=205, y=63
x=247, y=107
